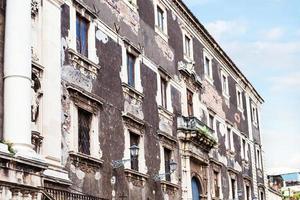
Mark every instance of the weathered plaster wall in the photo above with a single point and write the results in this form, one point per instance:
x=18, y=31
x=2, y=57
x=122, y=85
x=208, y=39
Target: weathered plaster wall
x=2, y=26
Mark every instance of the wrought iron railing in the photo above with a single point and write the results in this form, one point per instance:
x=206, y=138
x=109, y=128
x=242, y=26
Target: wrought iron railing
x=57, y=194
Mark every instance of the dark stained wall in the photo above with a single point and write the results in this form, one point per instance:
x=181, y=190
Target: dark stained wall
x=2, y=28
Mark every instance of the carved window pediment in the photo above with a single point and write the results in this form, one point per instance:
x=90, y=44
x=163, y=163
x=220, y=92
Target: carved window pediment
x=187, y=69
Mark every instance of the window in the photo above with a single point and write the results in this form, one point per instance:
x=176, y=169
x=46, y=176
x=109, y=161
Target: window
x=160, y=19
x=187, y=46
x=216, y=184
x=261, y=195
x=82, y=35
x=208, y=68
x=134, y=140
x=167, y=157
x=211, y=121
x=239, y=96
x=233, y=188
x=84, y=127
x=258, y=159
x=131, y=69
x=254, y=114
x=230, y=139
x=225, y=89
x=163, y=87
x=244, y=150
x=248, y=192
x=190, y=103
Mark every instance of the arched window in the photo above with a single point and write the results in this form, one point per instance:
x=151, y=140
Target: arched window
x=196, y=189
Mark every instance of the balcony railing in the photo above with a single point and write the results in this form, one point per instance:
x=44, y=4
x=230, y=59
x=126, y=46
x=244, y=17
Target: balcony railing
x=56, y=194
x=197, y=131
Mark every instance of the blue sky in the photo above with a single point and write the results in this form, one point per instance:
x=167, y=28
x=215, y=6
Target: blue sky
x=263, y=39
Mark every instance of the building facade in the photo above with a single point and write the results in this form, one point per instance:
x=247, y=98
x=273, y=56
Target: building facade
x=123, y=99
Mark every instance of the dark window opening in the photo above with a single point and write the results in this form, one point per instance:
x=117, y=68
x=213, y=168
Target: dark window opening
x=211, y=121
x=247, y=192
x=190, y=103
x=163, y=92
x=167, y=155
x=84, y=126
x=233, y=188
x=131, y=69
x=82, y=35
x=216, y=184
x=134, y=140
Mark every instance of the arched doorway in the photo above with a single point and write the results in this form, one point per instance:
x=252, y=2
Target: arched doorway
x=196, y=189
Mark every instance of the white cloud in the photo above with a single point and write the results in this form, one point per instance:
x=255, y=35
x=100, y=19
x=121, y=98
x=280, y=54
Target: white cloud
x=286, y=82
x=222, y=29
x=274, y=33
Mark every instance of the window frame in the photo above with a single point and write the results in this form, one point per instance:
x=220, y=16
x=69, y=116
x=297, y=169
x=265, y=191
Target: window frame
x=164, y=92
x=167, y=169
x=190, y=104
x=162, y=31
x=225, y=89
x=134, y=162
x=81, y=149
x=208, y=73
x=218, y=184
x=82, y=20
x=190, y=57
x=131, y=70
x=254, y=114
x=239, y=98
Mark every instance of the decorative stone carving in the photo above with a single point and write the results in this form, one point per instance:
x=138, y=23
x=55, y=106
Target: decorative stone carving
x=133, y=102
x=165, y=121
x=84, y=65
x=126, y=13
x=36, y=90
x=34, y=8
x=188, y=69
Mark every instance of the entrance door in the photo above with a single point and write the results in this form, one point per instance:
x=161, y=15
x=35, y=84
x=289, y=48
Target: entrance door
x=196, y=189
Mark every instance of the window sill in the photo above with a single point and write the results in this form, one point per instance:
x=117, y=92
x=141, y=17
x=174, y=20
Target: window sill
x=132, y=6
x=227, y=96
x=161, y=33
x=255, y=124
x=241, y=109
x=83, y=159
x=188, y=59
x=137, y=178
x=132, y=91
x=83, y=63
x=169, y=187
x=164, y=111
x=209, y=79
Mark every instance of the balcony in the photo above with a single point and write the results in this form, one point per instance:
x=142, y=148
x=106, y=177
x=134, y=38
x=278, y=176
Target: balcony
x=193, y=130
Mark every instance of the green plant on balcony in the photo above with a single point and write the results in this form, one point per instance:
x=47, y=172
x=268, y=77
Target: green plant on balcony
x=207, y=132
x=9, y=145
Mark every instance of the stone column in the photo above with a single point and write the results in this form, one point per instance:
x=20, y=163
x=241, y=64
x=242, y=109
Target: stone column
x=17, y=76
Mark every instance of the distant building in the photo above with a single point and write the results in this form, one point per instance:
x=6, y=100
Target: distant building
x=288, y=184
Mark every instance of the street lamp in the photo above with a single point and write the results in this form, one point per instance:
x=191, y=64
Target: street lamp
x=173, y=166
x=134, y=152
